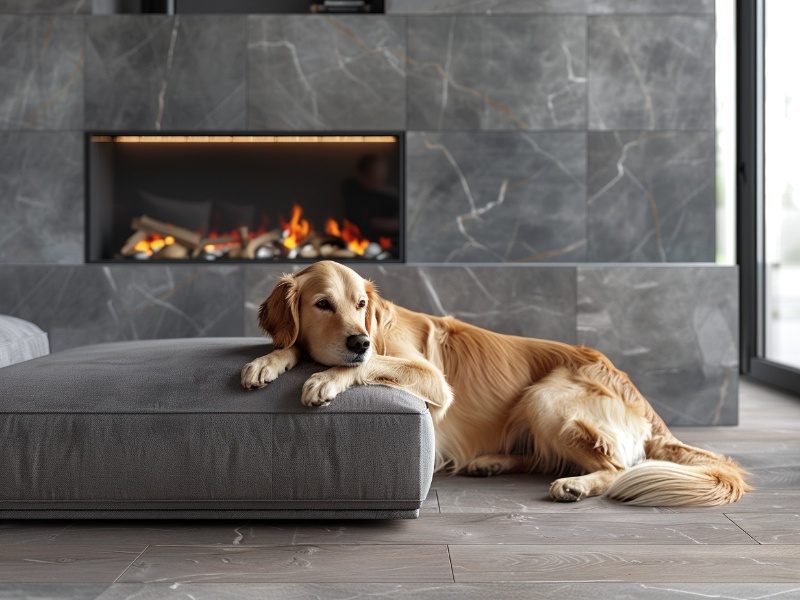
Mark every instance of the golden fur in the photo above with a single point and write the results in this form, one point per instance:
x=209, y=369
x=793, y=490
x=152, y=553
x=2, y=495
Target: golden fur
x=499, y=403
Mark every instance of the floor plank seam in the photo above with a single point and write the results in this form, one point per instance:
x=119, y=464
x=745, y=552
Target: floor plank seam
x=138, y=556
x=740, y=527
x=450, y=560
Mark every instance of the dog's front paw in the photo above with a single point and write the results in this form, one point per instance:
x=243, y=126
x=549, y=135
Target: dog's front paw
x=319, y=390
x=568, y=489
x=260, y=372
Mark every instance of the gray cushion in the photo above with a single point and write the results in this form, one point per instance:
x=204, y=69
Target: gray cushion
x=20, y=341
x=165, y=426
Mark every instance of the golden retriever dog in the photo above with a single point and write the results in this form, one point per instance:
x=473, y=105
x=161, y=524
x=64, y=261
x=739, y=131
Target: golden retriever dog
x=500, y=403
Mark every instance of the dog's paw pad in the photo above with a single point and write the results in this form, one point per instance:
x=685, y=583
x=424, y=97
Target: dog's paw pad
x=318, y=390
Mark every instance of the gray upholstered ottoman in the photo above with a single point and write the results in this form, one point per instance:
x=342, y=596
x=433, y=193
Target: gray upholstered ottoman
x=163, y=429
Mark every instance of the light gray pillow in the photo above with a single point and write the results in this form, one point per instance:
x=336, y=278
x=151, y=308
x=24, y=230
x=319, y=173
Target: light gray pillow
x=20, y=341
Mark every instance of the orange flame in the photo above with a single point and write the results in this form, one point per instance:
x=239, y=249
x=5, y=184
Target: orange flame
x=297, y=229
x=351, y=235
x=332, y=228
x=153, y=244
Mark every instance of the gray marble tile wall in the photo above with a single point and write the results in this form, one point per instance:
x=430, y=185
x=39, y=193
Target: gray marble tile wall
x=41, y=72
x=660, y=181
x=343, y=73
x=470, y=196
x=471, y=72
x=41, y=197
x=579, y=130
x=538, y=131
x=155, y=72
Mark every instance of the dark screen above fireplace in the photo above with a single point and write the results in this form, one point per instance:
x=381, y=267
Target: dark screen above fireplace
x=276, y=198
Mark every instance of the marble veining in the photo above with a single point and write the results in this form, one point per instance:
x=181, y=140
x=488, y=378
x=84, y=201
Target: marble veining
x=159, y=72
x=93, y=304
x=41, y=72
x=345, y=72
x=645, y=72
x=496, y=197
x=41, y=197
x=455, y=83
x=663, y=184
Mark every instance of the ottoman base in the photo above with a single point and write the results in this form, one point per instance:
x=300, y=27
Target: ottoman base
x=163, y=429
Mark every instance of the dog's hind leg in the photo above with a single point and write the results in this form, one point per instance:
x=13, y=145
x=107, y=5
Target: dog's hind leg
x=495, y=464
x=578, y=425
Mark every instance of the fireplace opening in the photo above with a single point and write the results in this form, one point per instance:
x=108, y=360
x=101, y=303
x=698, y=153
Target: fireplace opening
x=271, y=198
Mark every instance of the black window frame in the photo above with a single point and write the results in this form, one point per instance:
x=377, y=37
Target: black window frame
x=750, y=200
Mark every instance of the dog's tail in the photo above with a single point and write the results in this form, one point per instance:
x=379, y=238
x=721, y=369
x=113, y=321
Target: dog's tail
x=679, y=475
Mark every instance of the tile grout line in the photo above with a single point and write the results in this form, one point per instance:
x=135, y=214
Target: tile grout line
x=138, y=556
x=744, y=530
x=450, y=560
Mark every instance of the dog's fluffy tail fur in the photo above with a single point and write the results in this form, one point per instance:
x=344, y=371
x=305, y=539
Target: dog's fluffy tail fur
x=680, y=475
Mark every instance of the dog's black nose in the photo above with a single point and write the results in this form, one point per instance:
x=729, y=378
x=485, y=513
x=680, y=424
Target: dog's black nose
x=358, y=343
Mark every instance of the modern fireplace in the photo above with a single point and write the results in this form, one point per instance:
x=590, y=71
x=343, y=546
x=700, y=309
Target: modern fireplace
x=261, y=197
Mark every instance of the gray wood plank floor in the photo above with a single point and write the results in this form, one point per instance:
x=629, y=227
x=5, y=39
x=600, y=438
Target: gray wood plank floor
x=476, y=538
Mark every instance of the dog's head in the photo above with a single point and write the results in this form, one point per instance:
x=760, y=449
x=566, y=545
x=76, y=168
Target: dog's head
x=327, y=309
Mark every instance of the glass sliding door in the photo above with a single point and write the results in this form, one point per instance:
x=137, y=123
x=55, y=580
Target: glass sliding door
x=782, y=182
x=769, y=189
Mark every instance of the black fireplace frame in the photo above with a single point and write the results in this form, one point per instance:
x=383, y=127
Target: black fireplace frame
x=87, y=203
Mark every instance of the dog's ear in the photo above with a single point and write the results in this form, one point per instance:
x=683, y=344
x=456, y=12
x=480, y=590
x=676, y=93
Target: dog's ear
x=279, y=314
x=374, y=316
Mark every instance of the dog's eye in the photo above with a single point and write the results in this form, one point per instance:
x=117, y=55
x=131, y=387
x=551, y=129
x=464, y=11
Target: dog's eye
x=362, y=303
x=323, y=304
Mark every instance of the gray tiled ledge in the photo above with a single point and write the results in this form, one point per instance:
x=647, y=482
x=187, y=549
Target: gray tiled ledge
x=673, y=329
x=549, y=6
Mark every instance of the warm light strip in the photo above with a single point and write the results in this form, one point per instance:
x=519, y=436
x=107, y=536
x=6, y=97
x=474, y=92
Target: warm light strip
x=269, y=139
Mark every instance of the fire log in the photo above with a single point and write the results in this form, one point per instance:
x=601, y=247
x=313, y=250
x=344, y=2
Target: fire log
x=172, y=252
x=223, y=239
x=190, y=239
x=139, y=235
x=343, y=253
x=260, y=240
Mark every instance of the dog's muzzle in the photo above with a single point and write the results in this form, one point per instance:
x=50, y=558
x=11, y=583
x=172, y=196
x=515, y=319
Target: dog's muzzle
x=358, y=344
